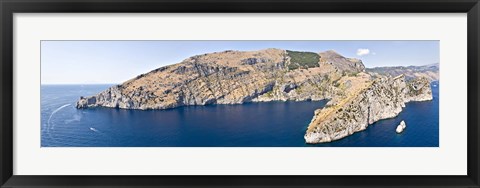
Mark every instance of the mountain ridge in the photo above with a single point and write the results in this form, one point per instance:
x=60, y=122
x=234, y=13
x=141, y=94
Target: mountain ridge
x=430, y=71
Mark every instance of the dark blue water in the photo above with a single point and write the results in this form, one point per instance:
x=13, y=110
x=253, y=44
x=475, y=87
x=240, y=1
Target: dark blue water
x=273, y=124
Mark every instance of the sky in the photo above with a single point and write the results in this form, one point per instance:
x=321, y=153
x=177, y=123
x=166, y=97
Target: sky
x=113, y=62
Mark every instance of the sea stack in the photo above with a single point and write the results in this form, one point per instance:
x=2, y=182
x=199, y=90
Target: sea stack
x=401, y=127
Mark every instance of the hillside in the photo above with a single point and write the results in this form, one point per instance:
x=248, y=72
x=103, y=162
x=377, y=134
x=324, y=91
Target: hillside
x=430, y=72
x=231, y=77
x=237, y=77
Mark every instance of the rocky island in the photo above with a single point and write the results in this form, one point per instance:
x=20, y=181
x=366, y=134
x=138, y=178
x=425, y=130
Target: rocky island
x=357, y=96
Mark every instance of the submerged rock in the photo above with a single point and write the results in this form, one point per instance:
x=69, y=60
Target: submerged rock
x=400, y=127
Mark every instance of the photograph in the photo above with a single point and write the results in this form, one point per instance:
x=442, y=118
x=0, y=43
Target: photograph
x=239, y=93
x=157, y=93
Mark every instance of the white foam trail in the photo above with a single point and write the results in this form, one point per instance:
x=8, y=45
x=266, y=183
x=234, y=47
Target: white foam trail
x=55, y=111
x=47, y=131
x=93, y=129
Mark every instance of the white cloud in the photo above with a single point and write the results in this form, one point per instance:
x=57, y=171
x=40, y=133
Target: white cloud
x=363, y=51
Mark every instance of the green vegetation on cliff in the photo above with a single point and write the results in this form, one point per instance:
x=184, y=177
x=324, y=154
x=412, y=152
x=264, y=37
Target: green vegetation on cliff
x=302, y=59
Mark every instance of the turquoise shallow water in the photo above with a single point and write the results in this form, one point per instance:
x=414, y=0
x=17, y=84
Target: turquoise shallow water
x=272, y=124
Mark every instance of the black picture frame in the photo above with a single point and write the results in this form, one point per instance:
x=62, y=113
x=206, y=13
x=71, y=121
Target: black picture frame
x=9, y=7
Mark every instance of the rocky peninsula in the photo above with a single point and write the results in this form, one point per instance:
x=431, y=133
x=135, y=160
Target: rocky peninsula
x=356, y=97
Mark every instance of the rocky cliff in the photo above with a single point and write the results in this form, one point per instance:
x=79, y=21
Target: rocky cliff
x=341, y=63
x=230, y=77
x=234, y=77
x=381, y=99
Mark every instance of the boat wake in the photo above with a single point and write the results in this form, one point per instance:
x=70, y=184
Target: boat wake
x=50, y=126
x=51, y=115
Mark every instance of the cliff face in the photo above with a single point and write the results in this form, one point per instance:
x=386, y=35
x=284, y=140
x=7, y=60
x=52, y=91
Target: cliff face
x=230, y=77
x=234, y=77
x=381, y=99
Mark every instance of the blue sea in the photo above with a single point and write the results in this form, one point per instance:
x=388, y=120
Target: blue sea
x=271, y=124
